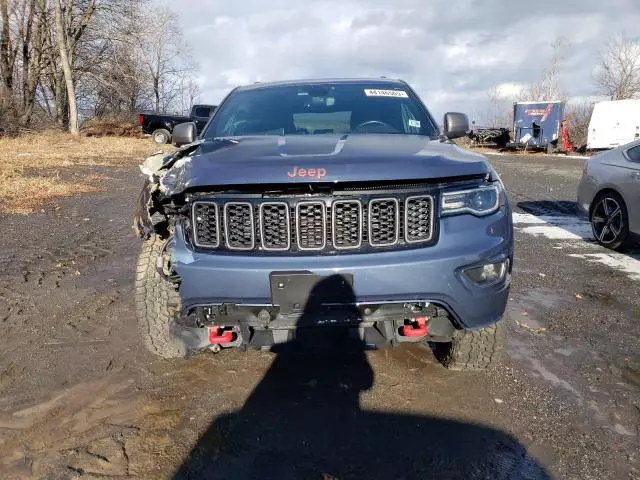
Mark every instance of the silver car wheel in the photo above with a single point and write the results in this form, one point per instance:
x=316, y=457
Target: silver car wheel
x=607, y=220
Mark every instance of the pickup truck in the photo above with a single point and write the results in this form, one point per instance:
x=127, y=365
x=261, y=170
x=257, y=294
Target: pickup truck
x=160, y=126
x=324, y=206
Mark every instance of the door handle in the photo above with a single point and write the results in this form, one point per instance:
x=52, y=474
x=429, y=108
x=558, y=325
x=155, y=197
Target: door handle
x=636, y=176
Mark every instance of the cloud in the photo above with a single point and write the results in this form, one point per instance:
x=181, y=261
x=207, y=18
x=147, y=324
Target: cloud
x=452, y=52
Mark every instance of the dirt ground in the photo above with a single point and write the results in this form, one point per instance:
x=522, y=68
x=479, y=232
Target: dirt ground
x=37, y=168
x=81, y=398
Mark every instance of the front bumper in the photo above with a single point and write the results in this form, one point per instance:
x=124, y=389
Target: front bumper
x=431, y=274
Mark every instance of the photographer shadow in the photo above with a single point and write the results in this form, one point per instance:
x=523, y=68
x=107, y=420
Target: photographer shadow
x=304, y=421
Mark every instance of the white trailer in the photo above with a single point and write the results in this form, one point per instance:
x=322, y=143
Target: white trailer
x=614, y=123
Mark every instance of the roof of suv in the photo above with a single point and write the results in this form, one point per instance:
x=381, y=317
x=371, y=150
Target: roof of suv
x=285, y=83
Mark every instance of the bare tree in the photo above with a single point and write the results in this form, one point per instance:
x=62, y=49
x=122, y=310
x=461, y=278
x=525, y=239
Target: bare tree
x=549, y=86
x=8, y=51
x=71, y=23
x=618, y=72
x=190, y=92
x=499, y=108
x=118, y=86
x=579, y=116
x=32, y=35
x=161, y=47
x=66, y=60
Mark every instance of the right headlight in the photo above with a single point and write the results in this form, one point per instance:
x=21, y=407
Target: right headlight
x=477, y=201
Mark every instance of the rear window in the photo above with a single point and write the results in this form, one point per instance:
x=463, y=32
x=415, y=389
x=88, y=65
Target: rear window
x=202, y=112
x=319, y=109
x=634, y=154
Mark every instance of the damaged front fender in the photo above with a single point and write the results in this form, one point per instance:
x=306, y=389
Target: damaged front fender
x=142, y=223
x=166, y=176
x=149, y=205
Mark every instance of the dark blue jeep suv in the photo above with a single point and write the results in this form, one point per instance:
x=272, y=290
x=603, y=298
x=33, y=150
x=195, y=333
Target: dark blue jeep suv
x=324, y=204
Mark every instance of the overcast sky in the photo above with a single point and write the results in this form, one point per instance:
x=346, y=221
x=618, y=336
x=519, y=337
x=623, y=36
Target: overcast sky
x=451, y=51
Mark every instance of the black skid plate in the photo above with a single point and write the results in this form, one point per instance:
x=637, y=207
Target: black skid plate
x=297, y=292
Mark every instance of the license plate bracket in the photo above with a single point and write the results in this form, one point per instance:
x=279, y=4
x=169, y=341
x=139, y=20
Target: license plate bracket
x=297, y=292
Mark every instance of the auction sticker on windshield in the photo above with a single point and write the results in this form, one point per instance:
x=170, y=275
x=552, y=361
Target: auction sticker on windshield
x=385, y=93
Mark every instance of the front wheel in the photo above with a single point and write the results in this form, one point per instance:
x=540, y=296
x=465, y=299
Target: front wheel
x=474, y=349
x=609, y=221
x=157, y=302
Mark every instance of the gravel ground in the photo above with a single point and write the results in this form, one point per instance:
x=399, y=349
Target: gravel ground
x=81, y=398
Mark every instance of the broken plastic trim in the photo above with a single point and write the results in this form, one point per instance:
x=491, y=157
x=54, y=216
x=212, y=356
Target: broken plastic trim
x=142, y=223
x=165, y=177
x=163, y=265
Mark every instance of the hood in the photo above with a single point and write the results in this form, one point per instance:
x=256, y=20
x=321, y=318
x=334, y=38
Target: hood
x=320, y=158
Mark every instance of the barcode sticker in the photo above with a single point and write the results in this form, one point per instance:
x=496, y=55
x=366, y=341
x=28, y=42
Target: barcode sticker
x=369, y=92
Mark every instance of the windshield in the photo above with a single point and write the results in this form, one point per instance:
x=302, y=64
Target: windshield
x=321, y=109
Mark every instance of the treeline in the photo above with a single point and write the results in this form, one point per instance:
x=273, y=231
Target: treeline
x=62, y=61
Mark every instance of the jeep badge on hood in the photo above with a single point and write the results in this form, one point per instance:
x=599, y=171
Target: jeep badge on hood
x=307, y=172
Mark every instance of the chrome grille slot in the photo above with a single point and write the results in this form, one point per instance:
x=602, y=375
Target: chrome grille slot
x=239, y=226
x=311, y=225
x=418, y=219
x=346, y=224
x=206, y=224
x=325, y=224
x=384, y=222
x=275, y=231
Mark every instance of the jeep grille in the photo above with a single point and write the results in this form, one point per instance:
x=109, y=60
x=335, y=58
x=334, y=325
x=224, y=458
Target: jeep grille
x=321, y=225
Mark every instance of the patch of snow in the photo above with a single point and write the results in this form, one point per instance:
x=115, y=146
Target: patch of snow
x=580, y=157
x=567, y=232
x=619, y=261
x=554, y=227
x=526, y=218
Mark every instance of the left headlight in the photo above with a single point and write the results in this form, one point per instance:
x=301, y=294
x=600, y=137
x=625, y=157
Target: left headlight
x=478, y=201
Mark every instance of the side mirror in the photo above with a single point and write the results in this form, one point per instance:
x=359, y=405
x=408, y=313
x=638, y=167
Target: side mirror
x=456, y=125
x=184, y=134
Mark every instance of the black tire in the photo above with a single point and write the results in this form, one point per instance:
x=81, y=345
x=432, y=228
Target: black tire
x=474, y=350
x=157, y=303
x=161, y=136
x=601, y=216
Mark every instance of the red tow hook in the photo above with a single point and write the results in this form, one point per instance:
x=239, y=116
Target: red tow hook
x=417, y=328
x=219, y=336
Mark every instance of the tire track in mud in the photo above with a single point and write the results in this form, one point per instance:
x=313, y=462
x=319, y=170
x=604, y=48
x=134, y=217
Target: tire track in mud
x=83, y=428
x=68, y=328
x=46, y=269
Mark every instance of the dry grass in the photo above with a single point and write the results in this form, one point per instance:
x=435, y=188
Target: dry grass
x=30, y=165
x=20, y=193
